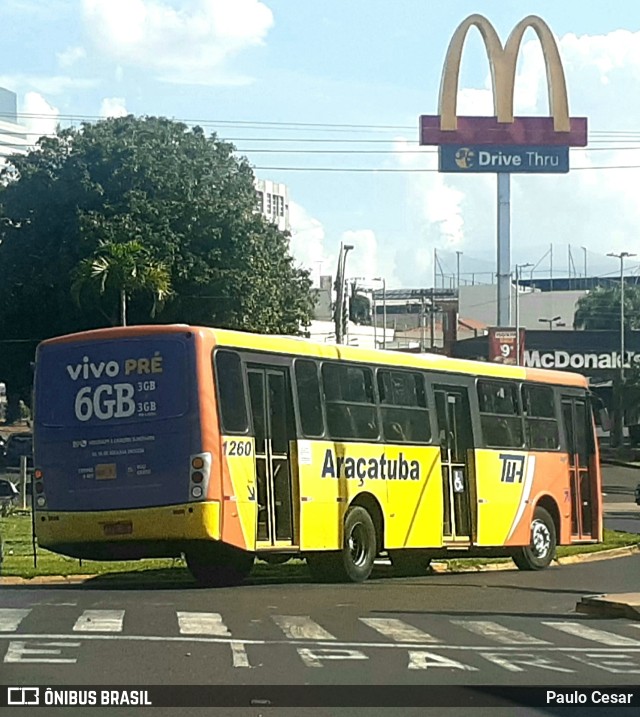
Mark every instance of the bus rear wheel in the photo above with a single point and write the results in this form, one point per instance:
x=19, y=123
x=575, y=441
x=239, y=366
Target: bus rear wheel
x=542, y=549
x=218, y=565
x=354, y=562
x=409, y=563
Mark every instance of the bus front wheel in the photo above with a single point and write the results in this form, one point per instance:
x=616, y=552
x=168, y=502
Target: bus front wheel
x=216, y=566
x=540, y=552
x=354, y=562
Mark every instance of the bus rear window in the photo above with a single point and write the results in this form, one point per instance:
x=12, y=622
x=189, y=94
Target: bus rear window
x=104, y=383
x=233, y=406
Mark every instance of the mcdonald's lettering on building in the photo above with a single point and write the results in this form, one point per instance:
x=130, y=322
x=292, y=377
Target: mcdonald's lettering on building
x=500, y=158
x=503, y=129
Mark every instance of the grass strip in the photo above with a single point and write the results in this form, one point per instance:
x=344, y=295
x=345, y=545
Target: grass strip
x=15, y=533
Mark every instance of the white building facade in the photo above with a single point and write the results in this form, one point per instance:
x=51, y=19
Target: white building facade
x=13, y=136
x=273, y=201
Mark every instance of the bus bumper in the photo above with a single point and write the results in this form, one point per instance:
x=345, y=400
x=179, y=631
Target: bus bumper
x=81, y=533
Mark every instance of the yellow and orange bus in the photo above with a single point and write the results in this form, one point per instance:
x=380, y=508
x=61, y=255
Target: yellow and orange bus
x=221, y=446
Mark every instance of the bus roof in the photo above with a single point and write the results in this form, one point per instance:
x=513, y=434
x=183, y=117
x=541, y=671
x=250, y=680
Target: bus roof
x=291, y=345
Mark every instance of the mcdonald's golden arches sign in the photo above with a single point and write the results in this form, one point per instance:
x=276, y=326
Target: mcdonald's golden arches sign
x=559, y=129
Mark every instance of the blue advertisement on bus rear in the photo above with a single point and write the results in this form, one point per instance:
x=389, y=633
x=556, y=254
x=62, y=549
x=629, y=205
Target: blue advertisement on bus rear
x=113, y=422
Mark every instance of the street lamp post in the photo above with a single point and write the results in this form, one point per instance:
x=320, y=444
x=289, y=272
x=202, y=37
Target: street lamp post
x=551, y=322
x=458, y=255
x=340, y=279
x=622, y=256
x=518, y=267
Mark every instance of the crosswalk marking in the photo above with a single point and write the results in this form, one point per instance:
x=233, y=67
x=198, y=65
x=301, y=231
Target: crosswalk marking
x=580, y=629
x=202, y=623
x=397, y=630
x=499, y=633
x=11, y=617
x=301, y=627
x=100, y=621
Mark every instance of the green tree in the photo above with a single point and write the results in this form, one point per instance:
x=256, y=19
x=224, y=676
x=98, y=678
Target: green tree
x=599, y=310
x=125, y=269
x=183, y=196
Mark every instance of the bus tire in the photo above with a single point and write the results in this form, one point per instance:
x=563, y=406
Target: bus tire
x=409, y=563
x=354, y=562
x=542, y=548
x=219, y=565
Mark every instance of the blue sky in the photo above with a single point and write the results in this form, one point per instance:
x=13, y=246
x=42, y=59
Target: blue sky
x=373, y=64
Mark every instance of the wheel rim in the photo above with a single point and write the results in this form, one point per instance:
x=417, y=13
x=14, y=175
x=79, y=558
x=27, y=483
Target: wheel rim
x=540, y=539
x=357, y=544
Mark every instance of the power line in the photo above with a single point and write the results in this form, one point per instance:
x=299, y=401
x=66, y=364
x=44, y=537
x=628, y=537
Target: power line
x=275, y=124
x=376, y=170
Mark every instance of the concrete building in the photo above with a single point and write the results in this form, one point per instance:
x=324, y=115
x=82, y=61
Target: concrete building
x=13, y=136
x=479, y=302
x=273, y=200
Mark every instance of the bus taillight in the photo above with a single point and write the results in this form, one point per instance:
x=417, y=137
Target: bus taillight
x=199, y=475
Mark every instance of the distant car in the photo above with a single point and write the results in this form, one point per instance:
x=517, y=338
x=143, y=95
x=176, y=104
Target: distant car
x=7, y=489
x=638, y=494
x=8, y=495
x=18, y=444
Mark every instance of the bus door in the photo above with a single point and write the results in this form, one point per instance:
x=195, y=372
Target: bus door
x=456, y=454
x=273, y=425
x=576, y=415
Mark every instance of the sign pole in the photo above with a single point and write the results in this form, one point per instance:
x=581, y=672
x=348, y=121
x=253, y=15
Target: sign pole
x=504, y=249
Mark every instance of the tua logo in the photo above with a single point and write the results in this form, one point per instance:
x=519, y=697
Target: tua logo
x=512, y=468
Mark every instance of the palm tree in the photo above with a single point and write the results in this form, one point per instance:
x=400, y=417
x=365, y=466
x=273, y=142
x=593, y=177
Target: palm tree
x=127, y=268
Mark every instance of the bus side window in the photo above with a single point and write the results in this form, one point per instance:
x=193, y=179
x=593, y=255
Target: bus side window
x=309, y=402
x=350, y=401
x=231, y=396
x=540, y=417
x=500, y=414
x=403, y=407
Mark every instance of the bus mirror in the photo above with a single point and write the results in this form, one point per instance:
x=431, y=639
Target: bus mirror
x=605, y=421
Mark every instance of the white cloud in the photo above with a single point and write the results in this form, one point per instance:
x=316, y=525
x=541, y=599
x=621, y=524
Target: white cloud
x=113, y=107
x=363, y=260
x=70, y=56
x=189, y=45
x=311, y=248
x=47, y=84
x=308, y=243
x=40, y=117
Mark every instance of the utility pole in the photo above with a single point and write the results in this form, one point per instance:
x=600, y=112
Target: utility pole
x=432, y=323
x=384, y=310
x=340, y=293
x=622, y=256
x=518, y=267
x=619, y=437
x=458, y=255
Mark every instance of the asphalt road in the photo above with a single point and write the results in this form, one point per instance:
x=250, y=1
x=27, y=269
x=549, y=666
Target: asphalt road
x=467, y=629
x=491, y=628
x=621, y=511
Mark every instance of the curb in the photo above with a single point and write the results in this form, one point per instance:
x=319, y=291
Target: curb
x=438, y=568
x=611, y=605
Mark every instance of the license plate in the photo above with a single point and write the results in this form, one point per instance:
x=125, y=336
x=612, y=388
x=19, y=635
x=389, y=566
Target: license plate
x=122, y=528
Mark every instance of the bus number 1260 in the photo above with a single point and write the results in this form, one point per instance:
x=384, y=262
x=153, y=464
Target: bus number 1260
x=237, y=448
